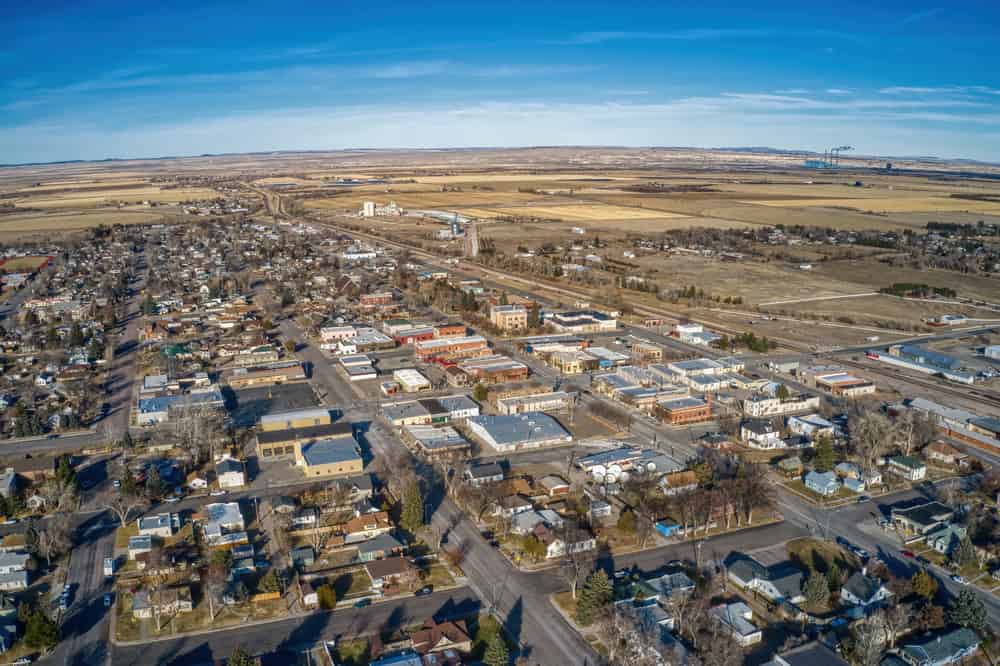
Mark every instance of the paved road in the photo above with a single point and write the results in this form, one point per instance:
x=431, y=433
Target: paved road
x=297, y=633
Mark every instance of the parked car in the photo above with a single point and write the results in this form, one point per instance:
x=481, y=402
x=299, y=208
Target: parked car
x=217, y=493
x=107, y=600
x=361, y=603
x=172, y=500
x=841, y=541
x=425, y=590
x=907, y=553
x=959, y=579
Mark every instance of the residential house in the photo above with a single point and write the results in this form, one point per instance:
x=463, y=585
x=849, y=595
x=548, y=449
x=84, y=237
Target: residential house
x=138, y=545
x=390, y=574
x=947, y=647
x=366, y=526
x=779, y=582
x=169, y=601
x=822, y=483
x=14, y=570
x=481, y=474
x=230, y=473
x=945, y=539
x=161, y=525
x=303, y=556
x=791, y=467
x=945, y=454
x=910, y=468
x=760, y=434
x=8, y=482
x=738, y=619
x=815, y=653
x=863, y=590
x=554, y=485
x=379, y=548
x=441, y=636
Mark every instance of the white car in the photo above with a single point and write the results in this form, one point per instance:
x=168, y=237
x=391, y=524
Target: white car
x=217, y=493
x=959, y=579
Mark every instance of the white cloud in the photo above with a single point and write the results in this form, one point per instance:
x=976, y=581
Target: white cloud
x=837, y=91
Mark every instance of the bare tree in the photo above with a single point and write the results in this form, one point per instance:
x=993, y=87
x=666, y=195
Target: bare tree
x=54, y=537
x=869, y=640
x=871, y=434
x=576, y=564
x=720, y=649
x=122, y=505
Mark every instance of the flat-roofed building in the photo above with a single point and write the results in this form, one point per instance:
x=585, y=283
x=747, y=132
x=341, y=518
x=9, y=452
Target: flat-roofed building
x=281, y=443
x=582, y=321
x=494, y=369
x=266, y=375
x=298, y=418
x=436, y=442
x=410, y=380
x=453, y=347
x=509, y=317
x=330, y=457
x=554, y=401
x=516, y=432
x=685, y=409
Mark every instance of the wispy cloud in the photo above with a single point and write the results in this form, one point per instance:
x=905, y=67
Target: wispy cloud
x=690, y=34
x=921, y=15
x=837, y=91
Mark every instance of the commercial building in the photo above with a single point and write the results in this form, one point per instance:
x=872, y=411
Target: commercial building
x=509, y=317
x=410, y=380
x=436, y=442
x=554, y=401
x=430, y=410
x=159, y=409
x=266, y=375
x=493, y=369
x=762, y=405
x=516, y=432
x=915, y=357
x=281, y=443
x=299, y=418
x=330, y=457
x=582, y=321
x=683, y=410
x=451, y=347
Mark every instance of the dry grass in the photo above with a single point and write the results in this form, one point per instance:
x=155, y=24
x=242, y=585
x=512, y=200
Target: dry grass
x=23, y=263
x=29, y=223
x=519, y=177
x=131, y=195
x=889, y=204
x=574, y=212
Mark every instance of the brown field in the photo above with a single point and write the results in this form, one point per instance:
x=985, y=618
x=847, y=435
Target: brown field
x=95, y=199
x=423, y=200
x=572, y=212
x=28, y=223
x=889, y=204
x=29, y=264
x=874, y=275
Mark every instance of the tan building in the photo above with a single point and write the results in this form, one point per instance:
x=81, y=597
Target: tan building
x=339, y=456
x=299, y=418
x=509, y=317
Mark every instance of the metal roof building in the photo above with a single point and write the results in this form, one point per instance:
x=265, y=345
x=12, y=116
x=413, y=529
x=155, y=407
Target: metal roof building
x=521, y=431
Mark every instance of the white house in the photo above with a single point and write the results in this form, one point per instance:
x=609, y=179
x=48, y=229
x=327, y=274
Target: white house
x=161, y=525
x=864, y=590
x=738, y=619
x=822, y=483
x=908, y=467
x=230, y=473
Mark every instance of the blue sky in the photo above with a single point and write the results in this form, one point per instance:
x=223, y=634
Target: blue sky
x=91, y=80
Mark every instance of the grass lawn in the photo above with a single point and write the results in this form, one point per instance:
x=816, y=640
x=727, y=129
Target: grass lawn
x=352, y=584
x=439, y=576
x=353, y=653
x=567, y=603
x=185, y=533
x=124, y=533
x=817, y=555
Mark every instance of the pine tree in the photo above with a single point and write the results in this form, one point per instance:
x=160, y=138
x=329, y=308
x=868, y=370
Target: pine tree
x=326, y=596
x=816, y=590
x=496, y=652
x=834, y=578
x=964, y=553
x=239, y=657
x=40, y=632
x=412, y=516
x=924, y=585
x=823, y=457
x=595, y=595
x=968, y=611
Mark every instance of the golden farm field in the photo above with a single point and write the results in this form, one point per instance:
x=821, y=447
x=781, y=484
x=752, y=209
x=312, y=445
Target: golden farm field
x=97, y=199
x=30, y=263
x=71, y=221
x=582, y=212
x=888, y=204
x=423, y=200
x=519, y=178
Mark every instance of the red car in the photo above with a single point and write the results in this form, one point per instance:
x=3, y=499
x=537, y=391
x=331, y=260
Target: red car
x=908, y=553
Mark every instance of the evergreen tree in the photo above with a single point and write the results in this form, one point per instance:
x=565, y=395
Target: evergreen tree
x=496, y=652
x=816, y=590
x=412, y=517
x=834, y=578
x=924, y=585
x=327, y=597
x=595, y=595
x=239, y=657
x=76, y=335
x=964, y=553
x=269, y=582
x=40, y=632
x=967, y=610
x=823, y=457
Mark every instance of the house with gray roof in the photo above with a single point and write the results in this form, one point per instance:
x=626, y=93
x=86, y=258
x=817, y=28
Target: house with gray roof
x=822, y=483
x=738, y=619
x=948, y=647
x=779, y=582
x=863, y=590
